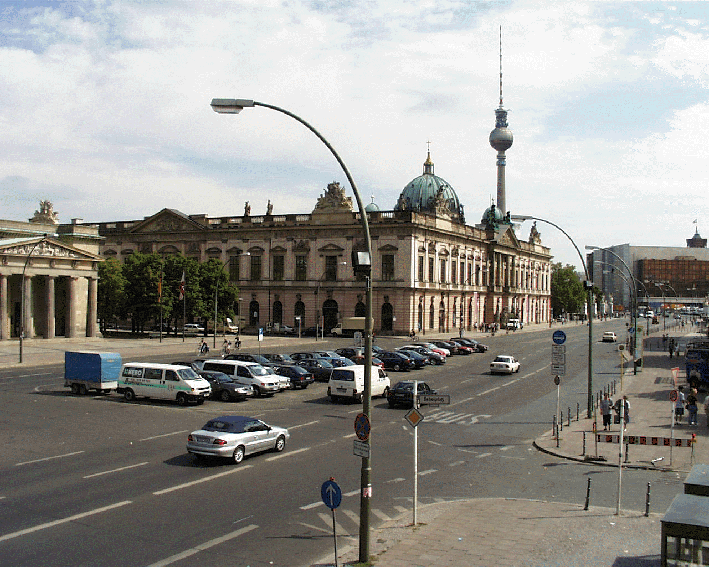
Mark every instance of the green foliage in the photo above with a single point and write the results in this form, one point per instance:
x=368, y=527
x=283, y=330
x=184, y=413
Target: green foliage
x=567, y=293
x=148, y=284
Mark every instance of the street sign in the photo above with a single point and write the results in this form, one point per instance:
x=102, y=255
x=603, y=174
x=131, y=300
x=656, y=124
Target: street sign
x=361, y=449
x=558, y=358
x=674, y=396
x=362, y=427
x=331, y=494
x=435, y=399
x=557, y=380
x=558, y=349
x=559, y=337
x=260, y=334
x=414, y=417
x=558, y=369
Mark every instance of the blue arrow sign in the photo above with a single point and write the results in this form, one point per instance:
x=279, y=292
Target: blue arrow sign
x=331, y=494
x=559, y=337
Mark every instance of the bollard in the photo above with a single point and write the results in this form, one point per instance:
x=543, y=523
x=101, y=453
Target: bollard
x=553, y=426
x=584, y=445
x=577, y=411
x=626, y=449
x=588, y=493
x=568, y=416
x=560, y=421
x=647, y=500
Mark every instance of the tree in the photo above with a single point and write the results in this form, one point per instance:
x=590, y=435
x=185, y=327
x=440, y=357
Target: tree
x=214, y=280
x=111, y=291
x=567, y=293
x=143, y=275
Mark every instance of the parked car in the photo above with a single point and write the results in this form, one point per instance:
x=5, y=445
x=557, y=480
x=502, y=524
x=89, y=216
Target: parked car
x=504, y=364
x=224, y=388
x=609, y=337
x=298, y=356
x=235, y=436
x=452, y=347
x=478, y=347
x=435, y=348
x=310, y=332
x=348, y=383
x=462, y=347
x=402, y=393
x=300, y=378
x=514, y=324
x=418, y=359
x=351, y=352
x=282, y=381
x=193, y=329
x=277, y=358
x=433, y=357
x=395, y=360
x=247, y=357
x=320, y=368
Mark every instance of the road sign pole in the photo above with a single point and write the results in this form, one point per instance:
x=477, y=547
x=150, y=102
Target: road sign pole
x=334, y=535
x=416, y=449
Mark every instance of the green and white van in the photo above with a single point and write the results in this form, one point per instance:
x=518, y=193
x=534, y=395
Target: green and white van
x=162, y=382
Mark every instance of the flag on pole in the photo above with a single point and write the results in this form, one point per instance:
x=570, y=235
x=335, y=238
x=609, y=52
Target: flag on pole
x=160, y=289
x=182, y=287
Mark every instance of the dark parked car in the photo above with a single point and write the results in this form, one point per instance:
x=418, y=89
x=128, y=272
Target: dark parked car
x=462, y=347
x=395, y=360
x=452, y=347
x=300, y=378
x=418, y=359
x=433, y=357
x=298, y=356
x=351, y=353
x=401, y=394
x=309, y=332
x=320, y=368
x=246, y=357
x=479, y=347
x=279, y=358
x=224, y=388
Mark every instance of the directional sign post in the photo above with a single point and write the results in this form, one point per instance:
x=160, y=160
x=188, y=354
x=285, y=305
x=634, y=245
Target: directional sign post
x=332, y=497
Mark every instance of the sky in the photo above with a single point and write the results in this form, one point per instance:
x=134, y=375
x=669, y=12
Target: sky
x=104, y=109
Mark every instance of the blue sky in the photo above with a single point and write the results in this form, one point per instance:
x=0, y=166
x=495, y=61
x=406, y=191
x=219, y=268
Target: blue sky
x=104, y=108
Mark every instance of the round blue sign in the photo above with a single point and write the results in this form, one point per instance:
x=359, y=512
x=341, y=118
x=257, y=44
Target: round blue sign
x=331, y=494
x=559, y=337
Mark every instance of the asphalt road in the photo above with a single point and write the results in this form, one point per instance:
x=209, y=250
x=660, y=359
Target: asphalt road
x=96, y=480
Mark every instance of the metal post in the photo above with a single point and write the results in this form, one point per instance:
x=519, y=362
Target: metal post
x=583, y=454
x=416, y=463
x=588, y=493
x=620, y=455
x=647, y=500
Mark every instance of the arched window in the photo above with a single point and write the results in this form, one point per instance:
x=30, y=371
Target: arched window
x=387, y=317
x=253, y=313
x=278, y=312
x=360, y=310
x=329, y=313
x=299, y=311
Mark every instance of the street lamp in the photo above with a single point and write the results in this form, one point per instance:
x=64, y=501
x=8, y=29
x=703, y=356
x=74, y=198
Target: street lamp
x=363, y=264
x=22, y=294
x=588, y=286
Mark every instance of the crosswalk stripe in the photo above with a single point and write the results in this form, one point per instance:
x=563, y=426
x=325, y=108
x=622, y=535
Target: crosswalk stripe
x=381, y=515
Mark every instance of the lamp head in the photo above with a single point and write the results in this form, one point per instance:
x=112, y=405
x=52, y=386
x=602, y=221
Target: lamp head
x=230, y=105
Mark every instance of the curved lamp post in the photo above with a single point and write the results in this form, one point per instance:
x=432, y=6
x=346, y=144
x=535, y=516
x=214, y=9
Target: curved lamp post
x=363, y=265
x=588, y=286
x=22, y=294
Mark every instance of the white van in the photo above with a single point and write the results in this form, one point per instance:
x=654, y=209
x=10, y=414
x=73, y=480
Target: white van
x=348, y=383
x=248, y=373
x=163, y=382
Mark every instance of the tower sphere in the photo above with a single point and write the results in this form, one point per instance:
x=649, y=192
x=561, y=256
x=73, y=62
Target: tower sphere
x=501, y=139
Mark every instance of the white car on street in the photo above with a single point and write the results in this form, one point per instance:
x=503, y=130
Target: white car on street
x=504, y=364
x=609, y=337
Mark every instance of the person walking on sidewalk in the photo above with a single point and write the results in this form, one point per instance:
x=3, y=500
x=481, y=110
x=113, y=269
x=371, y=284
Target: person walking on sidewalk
x=679, y=405
x=692, y=406
x=606, y=407
x=626, y=411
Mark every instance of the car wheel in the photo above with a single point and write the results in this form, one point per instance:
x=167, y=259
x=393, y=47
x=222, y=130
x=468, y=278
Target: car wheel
x=75, y=389
x=257, y=391
x=224, y=396
x=280, y=444
x=200, y=401
x=83, y=390
x=518, y=369
x=129, y=395
x=392, y=404
x=181, y=399
x=397, y=368
x=238, y=455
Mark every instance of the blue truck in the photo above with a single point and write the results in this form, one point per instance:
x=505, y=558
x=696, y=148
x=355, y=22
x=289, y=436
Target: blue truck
x=696, y=360
x=87, y=370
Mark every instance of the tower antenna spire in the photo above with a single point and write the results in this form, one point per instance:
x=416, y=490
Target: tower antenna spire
x=500, y=66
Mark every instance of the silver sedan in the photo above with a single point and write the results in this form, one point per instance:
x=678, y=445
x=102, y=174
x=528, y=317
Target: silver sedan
x=234, y=436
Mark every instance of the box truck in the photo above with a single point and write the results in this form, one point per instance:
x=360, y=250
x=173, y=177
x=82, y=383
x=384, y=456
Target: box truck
x=348, y=326
x=87, y=370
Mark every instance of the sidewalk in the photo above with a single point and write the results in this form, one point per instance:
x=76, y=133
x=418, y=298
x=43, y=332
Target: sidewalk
x=534, y=533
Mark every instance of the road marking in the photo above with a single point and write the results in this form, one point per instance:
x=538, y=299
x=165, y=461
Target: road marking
x=351, y=492
x=163, y=435
x=489, y=391
x=381, y=515
x=116, y=470
x=393, y=480
x=349, y=436
x=506, y=447
x=63, y=520
x=456, y=463
x=481, y=455
x=429, y=471
x=288, y=454
x=435, y=443
x=303, y=424
x=201, y=480
x=49, y=458
x=313, y=505
x=203, y=546
x=517, y=458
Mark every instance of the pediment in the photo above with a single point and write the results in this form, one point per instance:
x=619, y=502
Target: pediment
x=167, y=220
x=44, y=247
x=330, y=247
x=388, y=248
x=506, y=237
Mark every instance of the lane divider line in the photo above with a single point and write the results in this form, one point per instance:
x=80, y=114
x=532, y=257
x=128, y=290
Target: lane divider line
x=200, y=481
x=49, y=458
x=203, y=546
x=163, y=435
x=116, y=470
x=64, y=520
x=303, y=424
x=288, y=454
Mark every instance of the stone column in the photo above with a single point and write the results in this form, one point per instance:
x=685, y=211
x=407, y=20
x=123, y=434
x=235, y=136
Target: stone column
x=51, y=307
x=71, y=308
x=4, y=309
x=27, y=306
x=92, y=308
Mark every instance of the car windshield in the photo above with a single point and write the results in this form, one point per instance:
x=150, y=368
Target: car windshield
x=187, y=373
x=258, y=370
x=407, y=386
x=502, y=359
x=225, y=426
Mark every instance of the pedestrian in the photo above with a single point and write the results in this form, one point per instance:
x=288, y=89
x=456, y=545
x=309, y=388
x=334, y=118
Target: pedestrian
x=606, y=406
x=226, y=347
x=692, y=406
x=706, y=409
x=203, y=347
x=672, y=347
x=626, y=411
x=679, y=405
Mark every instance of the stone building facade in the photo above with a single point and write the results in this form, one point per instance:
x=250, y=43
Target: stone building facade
x=48, y=277
x=431, y=272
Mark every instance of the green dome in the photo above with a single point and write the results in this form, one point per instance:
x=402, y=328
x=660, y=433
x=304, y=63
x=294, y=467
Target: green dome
x=430, y=193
